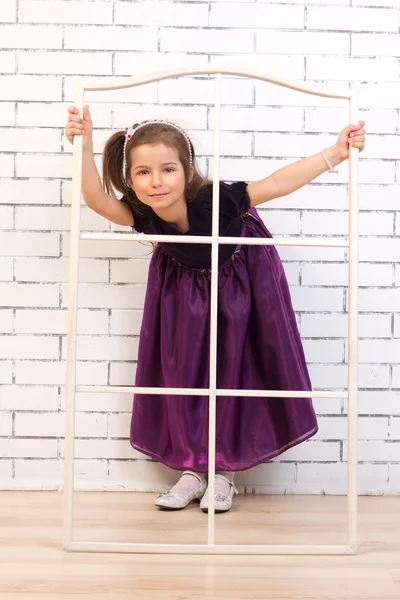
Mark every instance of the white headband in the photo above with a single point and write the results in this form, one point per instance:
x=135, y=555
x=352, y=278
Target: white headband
x=130, y=131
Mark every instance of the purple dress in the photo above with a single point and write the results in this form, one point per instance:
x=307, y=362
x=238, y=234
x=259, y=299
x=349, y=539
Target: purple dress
x=259, y=346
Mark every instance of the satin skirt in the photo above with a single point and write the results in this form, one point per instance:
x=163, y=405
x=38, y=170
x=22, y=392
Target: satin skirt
x=258, y=348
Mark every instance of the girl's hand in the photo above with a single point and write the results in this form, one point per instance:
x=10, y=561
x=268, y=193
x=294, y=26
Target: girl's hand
x=352, y=135
x=78, y=126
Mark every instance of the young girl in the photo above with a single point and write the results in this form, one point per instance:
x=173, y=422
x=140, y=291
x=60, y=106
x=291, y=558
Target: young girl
x=153, y=166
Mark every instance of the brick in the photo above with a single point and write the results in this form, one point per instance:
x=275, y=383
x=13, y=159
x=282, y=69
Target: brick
x=298, y=253
x=28, y=87
x=56, y=321
x=379, y=351
x=132, y=63
x=7, y=165
x=6, y=371
x=376, y=451
x=267, y=478
x=7, y=62
x=351, y=69
x=201, y=91
x=241, y=15
x=57, y=219
x=129, y=271
x=22, y=448
x=397, y=325
x=53, y=425
x=126, y=322
x=382, y=95
x=322, y=479
x=110, y=38
x=29, y=397
x=261, y=119
x=51, y=270
x=351, y=19
x=123, y=373
x=53, y=373
x=396, y=377
x=164, y=14
x=381, y=300
x=8, y=11
x=395, y=428
x=270, y=94
x=23, y=346
x=105, y=348
x=6, y=321
x=335, y=376
x=281, y=223
x=31, y=140
x=56, y=114
x=93, y=13
x=5, y=424
x=102, y=449
x=104, y=403
x=325, y=351
x=143, y=93
x=337, y=274
x=35, y=244
x=6, y=472
x=23, y=36
x=313, y=451
x=6, y=217
x=15, y=295
x=336, y=325
x=140, y=475
x=388, y=3
x=292, y=66
x=68, y=63
x=7, y=114
x=14, y=191
x=104, y=249
x=384, y=44
x=103, y=296
x=334, y=119
x=39, y=165
x=379, y=403
x=293, y=146
x=6, y=269
x=302, y=42
x=312, y=299
x=183, y=116
x=119, y=426
x=199, y=39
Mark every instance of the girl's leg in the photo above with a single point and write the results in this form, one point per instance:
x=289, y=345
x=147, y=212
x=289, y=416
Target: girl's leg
x=186, y=483
x=221, y=485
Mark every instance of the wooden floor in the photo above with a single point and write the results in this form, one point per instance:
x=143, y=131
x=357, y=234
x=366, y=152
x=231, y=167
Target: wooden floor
x=33, y=565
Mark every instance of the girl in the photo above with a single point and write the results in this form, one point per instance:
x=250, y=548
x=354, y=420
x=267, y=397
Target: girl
x=153, y=166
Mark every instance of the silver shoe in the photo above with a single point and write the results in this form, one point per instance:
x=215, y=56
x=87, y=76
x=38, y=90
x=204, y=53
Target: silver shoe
x=171, y=501
x=221, y=503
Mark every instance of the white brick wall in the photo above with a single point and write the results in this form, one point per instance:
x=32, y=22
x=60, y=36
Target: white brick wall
x=45, y=44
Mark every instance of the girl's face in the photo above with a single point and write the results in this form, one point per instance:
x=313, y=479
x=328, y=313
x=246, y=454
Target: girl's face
x=157, y=175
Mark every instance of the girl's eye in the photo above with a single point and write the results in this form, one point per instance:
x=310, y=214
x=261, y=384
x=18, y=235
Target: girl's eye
x=169, y=169
x=142, y=172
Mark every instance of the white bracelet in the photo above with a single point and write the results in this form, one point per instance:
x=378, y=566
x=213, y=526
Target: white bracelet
x=331, y=169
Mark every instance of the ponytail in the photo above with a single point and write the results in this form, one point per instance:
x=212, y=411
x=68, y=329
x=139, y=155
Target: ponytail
x=113, y=165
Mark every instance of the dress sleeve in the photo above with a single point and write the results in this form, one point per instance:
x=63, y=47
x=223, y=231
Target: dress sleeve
x=142, y=223
x=234, y=199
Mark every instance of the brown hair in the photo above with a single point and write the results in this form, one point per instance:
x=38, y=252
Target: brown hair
x=153, y=133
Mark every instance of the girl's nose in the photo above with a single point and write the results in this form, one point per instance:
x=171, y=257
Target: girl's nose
x=156, y=181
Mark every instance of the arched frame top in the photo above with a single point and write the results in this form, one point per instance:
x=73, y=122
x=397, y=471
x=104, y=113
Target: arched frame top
x=141, y=79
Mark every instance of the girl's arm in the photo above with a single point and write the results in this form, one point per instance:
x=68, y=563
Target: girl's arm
x=291, y=178
x=92, y=190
